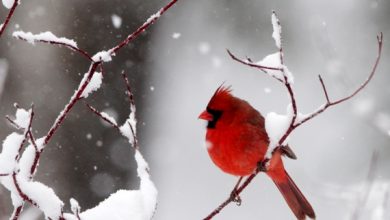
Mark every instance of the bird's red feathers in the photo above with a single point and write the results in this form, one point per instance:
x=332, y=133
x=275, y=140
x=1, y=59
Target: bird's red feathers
x=237, y=141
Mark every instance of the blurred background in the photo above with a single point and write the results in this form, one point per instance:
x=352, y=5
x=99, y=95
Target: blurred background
x=174, y=68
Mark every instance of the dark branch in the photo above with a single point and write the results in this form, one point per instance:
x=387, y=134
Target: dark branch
x=8, y=18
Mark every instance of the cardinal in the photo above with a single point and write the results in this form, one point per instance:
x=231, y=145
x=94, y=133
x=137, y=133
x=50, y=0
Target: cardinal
x=237, y=142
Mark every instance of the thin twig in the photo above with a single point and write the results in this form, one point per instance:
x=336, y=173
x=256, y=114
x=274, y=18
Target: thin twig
x=8, y=18
x=142, y=28
x=94, y=110
x=230, y=199
x=128, y=92
x=71, y=47
x=249, y=62
x=16, y=212
x=76, y=96
x=324, y=89
x=360, y=88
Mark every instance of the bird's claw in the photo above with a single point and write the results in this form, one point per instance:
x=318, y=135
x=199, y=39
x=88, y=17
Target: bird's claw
x=262, y=165
x=235, y=197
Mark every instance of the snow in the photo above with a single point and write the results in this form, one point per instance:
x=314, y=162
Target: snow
x=216, y=61
x=99, y=143
x=1, y=25
x=9, y=152
x=125, y=130
x=22, y=118
x=116, y=21
x=93, y=85
x=27, y=161
x=74, y=206
x=44, y=196
x=8, y=3
x=382, y=122
x=276, y=34
x=154, y=16
x=267, y=90
x=45, y=36
x=363, y=106
x=102, y=56
x=273, y=60
x=176, y=35
x=40, y=143
x=128, y=204
x=204, y=48
x=108, y=117
x=276, y=126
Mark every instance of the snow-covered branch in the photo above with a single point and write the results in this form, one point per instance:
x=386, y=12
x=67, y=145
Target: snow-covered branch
x=279, y=127
x=18, y=164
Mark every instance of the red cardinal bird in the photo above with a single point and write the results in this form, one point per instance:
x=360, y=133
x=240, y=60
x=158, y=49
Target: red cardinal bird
x=237, y=141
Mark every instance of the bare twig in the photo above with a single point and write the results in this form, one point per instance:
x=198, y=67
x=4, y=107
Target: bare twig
x=8, y=18
x=142, y=28
x=360, y=88
x=128, y=92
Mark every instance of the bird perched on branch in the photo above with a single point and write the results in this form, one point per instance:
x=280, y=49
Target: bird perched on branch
x=237, y=142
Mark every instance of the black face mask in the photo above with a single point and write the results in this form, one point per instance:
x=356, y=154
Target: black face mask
x=216, y=115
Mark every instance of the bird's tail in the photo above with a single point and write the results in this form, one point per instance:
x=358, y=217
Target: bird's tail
x=291, y=193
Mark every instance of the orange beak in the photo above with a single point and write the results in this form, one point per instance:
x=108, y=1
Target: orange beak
x=206, y=116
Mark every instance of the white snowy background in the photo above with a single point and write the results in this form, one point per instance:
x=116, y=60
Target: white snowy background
x=183, y=60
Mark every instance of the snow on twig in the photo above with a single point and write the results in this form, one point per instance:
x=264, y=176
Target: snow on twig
x=50, y=38
x=44, y=37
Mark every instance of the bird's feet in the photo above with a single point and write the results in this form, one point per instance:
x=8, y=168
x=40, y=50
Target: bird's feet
x=235, y=197
x=262, y=165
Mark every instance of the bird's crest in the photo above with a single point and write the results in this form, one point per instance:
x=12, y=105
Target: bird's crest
x=222, y=94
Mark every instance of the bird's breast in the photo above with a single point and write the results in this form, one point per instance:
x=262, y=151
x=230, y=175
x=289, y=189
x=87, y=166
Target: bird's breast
x=237, y=149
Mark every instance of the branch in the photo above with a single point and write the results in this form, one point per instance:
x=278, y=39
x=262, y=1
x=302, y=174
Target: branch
x=295, y=122
x=128, y=129
x=104, y=117
x=8, y=18
x=360, y=88
x=231, y=199
x=142, y=28
x=49, y=38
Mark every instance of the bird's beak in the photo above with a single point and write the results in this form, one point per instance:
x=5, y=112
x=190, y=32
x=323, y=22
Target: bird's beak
x=206, y=116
